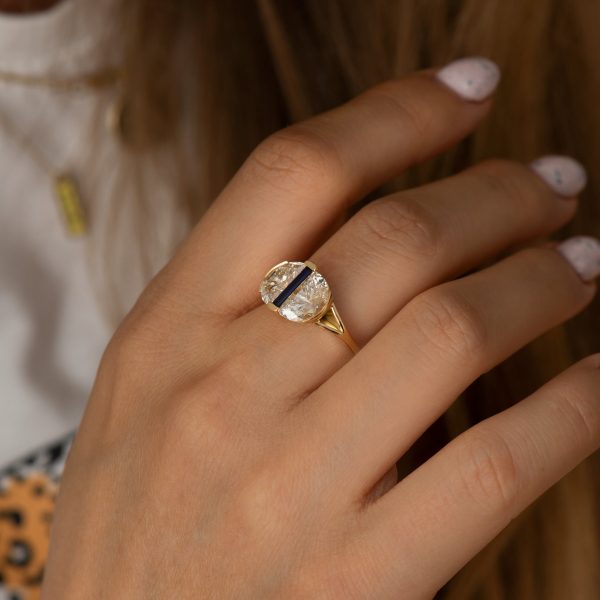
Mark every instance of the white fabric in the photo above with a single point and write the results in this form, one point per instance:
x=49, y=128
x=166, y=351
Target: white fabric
x=52, y=333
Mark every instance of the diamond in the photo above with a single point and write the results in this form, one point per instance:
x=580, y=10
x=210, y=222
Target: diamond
x=309, y=300
x=278, y=278
x=306, y=302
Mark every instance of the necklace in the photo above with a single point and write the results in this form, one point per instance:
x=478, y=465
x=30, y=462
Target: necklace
x=64, y=184
x=95, y=80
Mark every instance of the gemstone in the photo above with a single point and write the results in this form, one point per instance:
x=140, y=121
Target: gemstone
x=278, y=279
x=308, y=299
x=291, y=288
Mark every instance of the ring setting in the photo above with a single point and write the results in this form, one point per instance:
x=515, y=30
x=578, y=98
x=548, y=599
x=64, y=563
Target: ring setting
x=298, y=292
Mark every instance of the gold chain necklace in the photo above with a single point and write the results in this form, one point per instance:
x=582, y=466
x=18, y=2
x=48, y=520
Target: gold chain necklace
x=64, y=184
x=98, y=79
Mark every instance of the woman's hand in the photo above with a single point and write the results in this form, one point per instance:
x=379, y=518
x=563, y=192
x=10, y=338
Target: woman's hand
x=228, y=453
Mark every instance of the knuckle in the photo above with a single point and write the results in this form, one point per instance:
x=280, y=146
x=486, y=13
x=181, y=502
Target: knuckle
x=509, y=179
x=400, y=227
x=210, y=408
x=297, y=155
x=232, y=384
x=585, y=417
x=488, y=470
x=332, y=580
x=124, y=354
x=120, y=381
x=266, y=505
x=136, y=350
x=550, y=268
x=194, y=420
x=190, y=425
x=449, y=322
x=546, y=268
x=414, y=118
x=577, y=407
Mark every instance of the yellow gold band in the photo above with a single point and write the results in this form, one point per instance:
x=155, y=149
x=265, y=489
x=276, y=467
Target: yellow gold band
x=332, y=321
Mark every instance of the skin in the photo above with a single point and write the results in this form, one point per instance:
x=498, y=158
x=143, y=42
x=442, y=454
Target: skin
x=228, y=453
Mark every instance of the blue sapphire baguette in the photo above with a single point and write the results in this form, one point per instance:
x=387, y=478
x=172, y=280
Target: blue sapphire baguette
x=293, y=285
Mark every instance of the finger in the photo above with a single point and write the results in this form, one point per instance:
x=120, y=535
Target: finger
x=447, y=510
x=373, y=408
x=398, y=246
x=299, y=180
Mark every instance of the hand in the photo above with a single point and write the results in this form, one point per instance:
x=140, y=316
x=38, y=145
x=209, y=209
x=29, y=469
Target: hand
x=228, y=453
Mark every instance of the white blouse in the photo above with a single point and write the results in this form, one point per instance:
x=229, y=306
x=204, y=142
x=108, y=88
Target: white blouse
x=52, y=328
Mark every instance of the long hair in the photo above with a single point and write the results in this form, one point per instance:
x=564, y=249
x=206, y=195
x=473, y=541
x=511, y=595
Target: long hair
x=208, y=80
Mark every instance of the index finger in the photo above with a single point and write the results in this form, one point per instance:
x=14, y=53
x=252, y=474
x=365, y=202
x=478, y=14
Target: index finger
x=297, y=181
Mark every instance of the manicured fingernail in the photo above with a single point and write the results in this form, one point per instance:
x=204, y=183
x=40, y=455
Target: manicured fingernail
x=583, y=253
x=563, y=174
x=473, y=78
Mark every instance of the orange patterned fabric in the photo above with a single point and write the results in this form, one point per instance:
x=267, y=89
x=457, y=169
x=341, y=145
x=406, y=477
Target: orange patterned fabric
x=25, y=513
x=28, y=491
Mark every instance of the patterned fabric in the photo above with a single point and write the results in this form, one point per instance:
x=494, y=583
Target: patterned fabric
x=28, y=489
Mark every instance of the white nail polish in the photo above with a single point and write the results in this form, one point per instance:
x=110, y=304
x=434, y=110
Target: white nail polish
x=563, y=174
x=473, y=78
x=583, y=253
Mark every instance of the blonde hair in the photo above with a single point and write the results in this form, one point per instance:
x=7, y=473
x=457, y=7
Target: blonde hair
x=210, y=79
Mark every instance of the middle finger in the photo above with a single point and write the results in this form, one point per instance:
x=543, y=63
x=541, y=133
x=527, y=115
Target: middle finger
x=400, y=245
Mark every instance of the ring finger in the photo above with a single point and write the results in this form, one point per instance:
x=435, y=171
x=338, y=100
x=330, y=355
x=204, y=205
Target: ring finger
x=400, y=245
x=374, y=408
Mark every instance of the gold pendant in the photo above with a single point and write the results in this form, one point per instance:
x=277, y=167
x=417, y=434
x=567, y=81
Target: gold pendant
x=71, y=205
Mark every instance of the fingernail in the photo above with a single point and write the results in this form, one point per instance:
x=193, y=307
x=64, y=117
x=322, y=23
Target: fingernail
x=563, y=174
x=473, y=78
x=583, y=253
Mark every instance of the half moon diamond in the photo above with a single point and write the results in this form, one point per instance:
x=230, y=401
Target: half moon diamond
x=297, y=291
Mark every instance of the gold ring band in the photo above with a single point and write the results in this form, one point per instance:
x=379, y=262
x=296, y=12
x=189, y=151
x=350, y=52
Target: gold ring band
x=332, y=321
x=298, y=292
